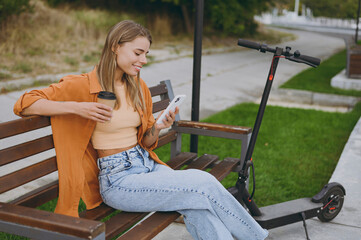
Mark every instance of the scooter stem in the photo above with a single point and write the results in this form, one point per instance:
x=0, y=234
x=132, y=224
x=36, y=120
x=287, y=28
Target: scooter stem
x=261, y=109
x=243, y=194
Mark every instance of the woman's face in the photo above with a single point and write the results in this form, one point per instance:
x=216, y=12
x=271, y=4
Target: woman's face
x=131, y=56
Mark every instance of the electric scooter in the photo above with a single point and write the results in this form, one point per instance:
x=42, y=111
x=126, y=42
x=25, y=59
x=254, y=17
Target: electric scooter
x=325, y=205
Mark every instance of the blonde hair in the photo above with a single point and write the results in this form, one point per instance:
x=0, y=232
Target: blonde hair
x=122, y=32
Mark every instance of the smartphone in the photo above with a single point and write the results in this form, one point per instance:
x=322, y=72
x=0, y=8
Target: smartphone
x=176, y=102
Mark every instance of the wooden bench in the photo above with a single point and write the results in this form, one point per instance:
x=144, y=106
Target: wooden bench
x=20, y=216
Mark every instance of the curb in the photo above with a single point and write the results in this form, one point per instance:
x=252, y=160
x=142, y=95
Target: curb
x=343, y=82
x=45, y=79
x=313, y=98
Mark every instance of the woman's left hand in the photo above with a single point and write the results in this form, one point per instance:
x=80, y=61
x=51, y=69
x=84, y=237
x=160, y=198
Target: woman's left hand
x=168, y=120
x=152, y=133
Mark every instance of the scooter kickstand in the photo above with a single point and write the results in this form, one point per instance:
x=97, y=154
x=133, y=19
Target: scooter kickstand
x=304, y=224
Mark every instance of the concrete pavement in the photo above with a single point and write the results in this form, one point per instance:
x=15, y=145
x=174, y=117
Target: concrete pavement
x=239, y=76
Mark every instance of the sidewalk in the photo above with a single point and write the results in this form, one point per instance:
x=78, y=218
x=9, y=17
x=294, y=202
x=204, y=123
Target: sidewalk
x=239, y=76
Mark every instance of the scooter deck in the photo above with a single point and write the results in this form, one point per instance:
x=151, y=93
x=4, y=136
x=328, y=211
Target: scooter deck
x=287, y=212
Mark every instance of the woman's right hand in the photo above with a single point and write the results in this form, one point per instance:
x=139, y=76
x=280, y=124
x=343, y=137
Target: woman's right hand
x=94, y=111
x=91, y=110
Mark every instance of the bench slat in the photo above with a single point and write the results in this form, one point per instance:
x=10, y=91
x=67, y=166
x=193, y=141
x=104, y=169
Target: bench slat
x=183, y=158
x=158, y=90
x=35, y=218
x=203, y=162
x=214, y=127
x=97, y=213
x=11, y=128
x=28, y=174
x=167, y=138
x=161, y=105
x=38, y=196
x=223, y=168
x=151, y=226
x=123, y=219
x=26, y=149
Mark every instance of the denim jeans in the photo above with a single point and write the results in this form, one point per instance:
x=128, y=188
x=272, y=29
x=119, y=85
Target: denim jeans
x=130, y=181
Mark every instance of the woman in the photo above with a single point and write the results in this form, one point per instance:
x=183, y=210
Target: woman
x=95, y=142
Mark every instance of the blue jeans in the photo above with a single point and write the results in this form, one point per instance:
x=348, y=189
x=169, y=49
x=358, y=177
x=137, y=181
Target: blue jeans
x=130, y=181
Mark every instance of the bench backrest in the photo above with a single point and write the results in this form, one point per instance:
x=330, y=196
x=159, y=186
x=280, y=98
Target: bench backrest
x=27, y=154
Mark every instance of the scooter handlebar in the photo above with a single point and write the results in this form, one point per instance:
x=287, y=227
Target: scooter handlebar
x=296, y=56
x=249, y=44
x=308, y=59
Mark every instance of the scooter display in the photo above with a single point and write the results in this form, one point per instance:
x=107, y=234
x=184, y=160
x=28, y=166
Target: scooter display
x=325, y=205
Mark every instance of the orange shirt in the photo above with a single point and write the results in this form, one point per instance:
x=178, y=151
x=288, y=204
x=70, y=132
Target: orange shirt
x=76, y=157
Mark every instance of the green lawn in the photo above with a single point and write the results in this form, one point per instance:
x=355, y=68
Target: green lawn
x=319, y=79
x=296, y=150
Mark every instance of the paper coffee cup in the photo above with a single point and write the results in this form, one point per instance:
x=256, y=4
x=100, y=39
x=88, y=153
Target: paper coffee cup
x=107, y=98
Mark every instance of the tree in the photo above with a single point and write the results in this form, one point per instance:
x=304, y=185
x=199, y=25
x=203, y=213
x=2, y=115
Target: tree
x=233, y=17
x=333, y=8
x=9, y=8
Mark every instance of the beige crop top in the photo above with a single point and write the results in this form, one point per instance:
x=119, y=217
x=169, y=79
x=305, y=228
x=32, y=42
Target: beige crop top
x=121, y=131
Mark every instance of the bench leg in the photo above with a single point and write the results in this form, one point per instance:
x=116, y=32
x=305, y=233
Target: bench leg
x=175, y=146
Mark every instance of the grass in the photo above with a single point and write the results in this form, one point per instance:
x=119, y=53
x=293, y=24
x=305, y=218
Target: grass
x=319, y=79
x=296, y=150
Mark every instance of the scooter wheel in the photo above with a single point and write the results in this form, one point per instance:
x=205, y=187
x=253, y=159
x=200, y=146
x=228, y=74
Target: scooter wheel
x=332, y=204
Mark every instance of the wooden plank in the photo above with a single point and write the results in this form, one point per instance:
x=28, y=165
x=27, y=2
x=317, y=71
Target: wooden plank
x=38, y=196
x=183, y=158
x=161, y=105
x=158, y=90
x=11, y=128
x=151, y=226
x=97, y=213
x=203, y=162
x=25, y=175
x=121, y=222
x=356, y=57
x=167, y=138
x=214, y=127
x=35, y=218
x=223, y=168
x=26, y=149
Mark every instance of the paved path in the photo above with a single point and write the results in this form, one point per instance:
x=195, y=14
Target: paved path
x=239, y=76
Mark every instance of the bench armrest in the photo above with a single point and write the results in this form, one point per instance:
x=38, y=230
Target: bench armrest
x=35, y=223
x=212, y=129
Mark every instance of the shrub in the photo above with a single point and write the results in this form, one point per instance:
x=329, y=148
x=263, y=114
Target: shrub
x=9, y=8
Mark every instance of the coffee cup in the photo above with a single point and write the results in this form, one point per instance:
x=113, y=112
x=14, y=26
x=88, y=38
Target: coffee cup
x=107, y=98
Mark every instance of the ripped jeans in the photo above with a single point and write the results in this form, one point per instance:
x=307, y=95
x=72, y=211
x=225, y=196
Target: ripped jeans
x=130, y=181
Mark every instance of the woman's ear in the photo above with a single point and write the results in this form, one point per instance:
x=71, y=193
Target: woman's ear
x=115, y=49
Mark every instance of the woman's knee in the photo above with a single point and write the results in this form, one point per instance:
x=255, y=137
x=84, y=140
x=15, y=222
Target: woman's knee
x=203, y=179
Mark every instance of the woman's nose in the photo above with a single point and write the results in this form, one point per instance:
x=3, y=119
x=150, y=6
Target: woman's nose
x=143, y=59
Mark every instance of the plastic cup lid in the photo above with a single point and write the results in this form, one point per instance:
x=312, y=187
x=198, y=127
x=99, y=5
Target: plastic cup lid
x=107, y=95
